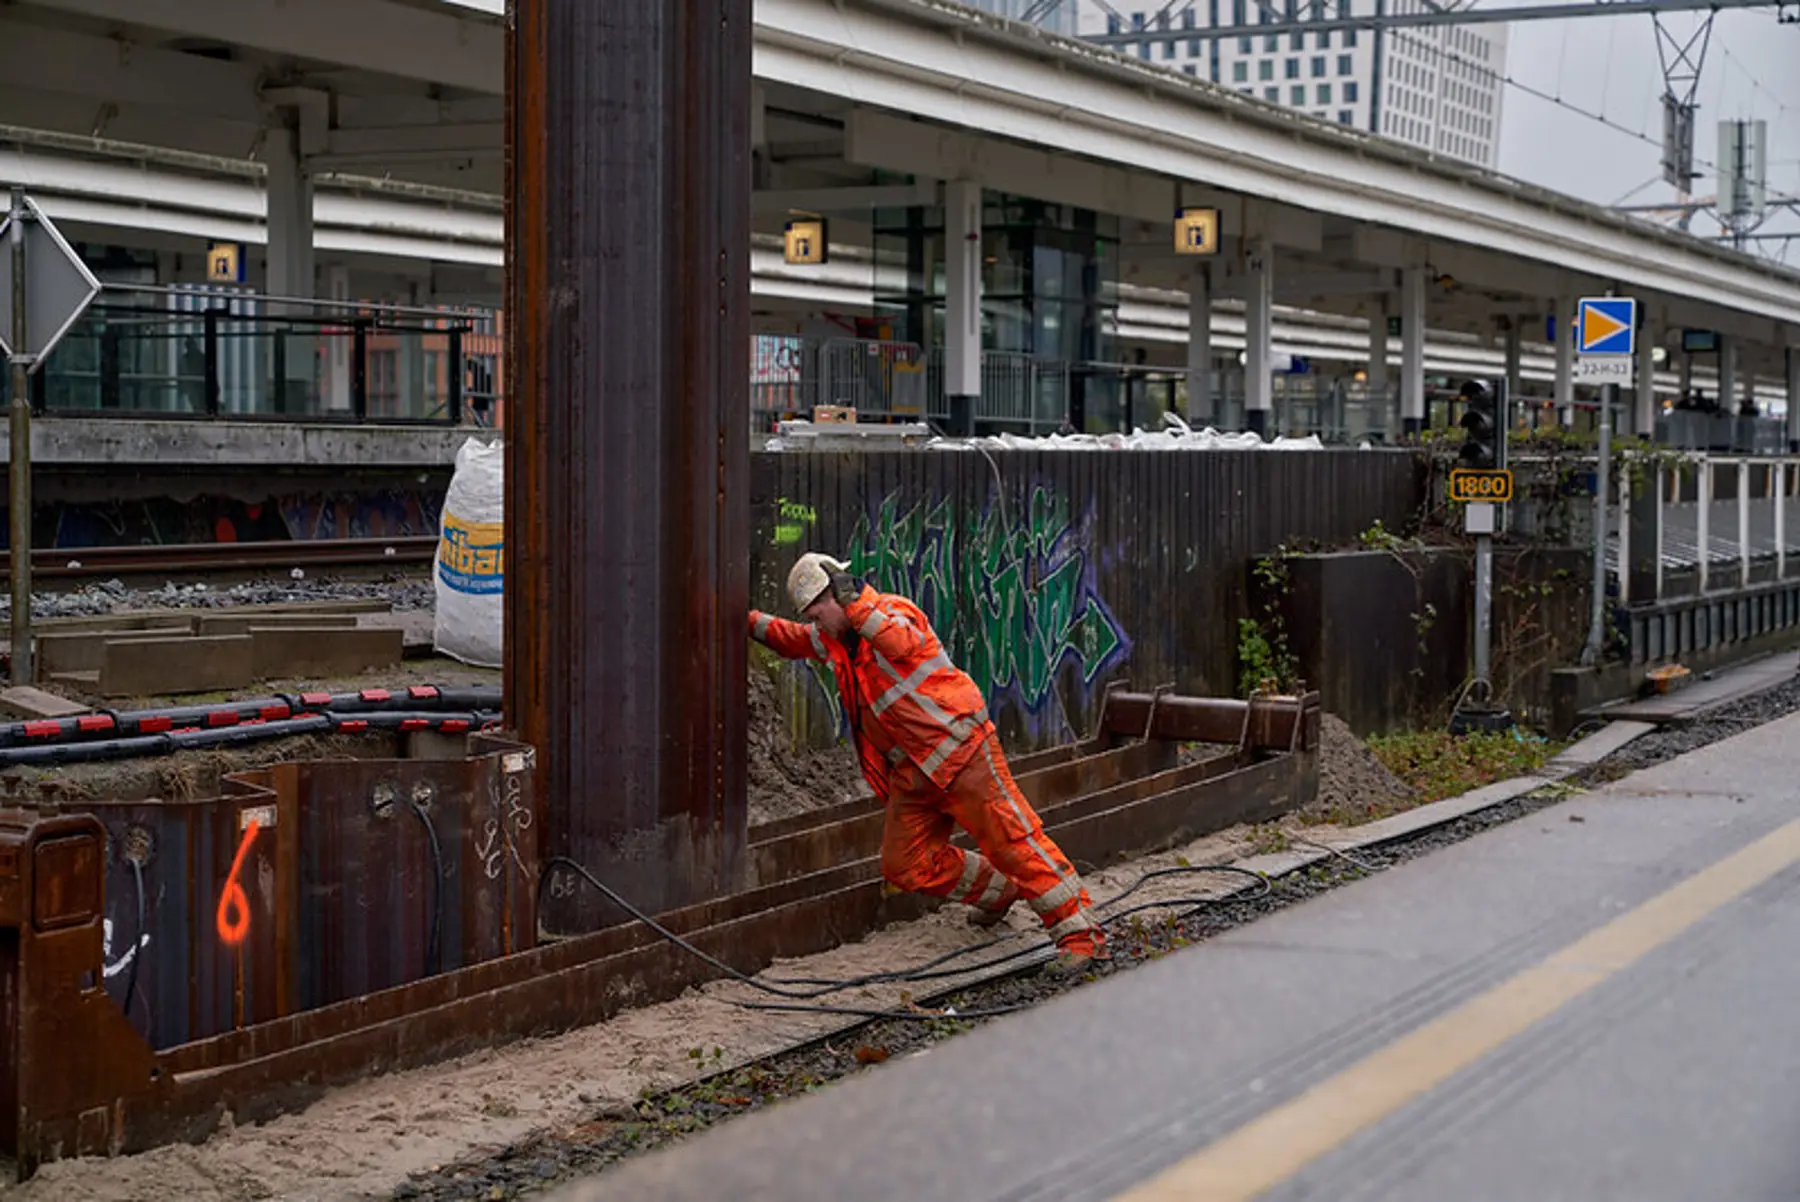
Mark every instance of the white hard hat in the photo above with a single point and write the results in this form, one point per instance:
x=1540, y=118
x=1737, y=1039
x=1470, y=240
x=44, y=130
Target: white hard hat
x=808, y=579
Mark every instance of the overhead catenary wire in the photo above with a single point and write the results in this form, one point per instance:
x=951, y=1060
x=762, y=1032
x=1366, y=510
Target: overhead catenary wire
x=1536, y=93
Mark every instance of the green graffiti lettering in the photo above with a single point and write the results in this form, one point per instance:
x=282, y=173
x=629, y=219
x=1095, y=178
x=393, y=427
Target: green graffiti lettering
x=1011, y=590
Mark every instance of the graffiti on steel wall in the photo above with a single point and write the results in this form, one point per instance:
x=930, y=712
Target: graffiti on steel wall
x=389, y=513
x=163, y=521
x=1012, y=590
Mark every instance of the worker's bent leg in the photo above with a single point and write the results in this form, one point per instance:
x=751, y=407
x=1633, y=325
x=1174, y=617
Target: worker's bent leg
x=916, y=852
x=986, y=800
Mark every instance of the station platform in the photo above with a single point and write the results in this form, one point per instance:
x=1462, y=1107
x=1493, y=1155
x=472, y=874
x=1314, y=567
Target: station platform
x=68, y=441
x=1590, y=1002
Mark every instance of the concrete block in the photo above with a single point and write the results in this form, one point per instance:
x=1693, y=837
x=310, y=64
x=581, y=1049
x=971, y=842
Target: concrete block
x=351, y=605
x=138, y=619
x=436, y=745
x=230, y=623
x=284, y=653
x=85, y=651
x=26, y=702
x=151, y=667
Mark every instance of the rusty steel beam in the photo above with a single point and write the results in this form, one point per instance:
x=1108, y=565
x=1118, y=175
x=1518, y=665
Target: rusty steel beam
x=856, y=834
x=627, y=473
x=1265, y=724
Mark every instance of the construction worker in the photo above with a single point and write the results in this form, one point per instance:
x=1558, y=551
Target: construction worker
x=929, y=750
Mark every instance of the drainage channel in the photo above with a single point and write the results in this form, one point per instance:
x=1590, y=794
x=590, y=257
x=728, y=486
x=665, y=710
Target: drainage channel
x=547, y=1159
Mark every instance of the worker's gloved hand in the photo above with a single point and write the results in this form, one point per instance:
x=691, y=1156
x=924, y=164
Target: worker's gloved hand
x=845, y=588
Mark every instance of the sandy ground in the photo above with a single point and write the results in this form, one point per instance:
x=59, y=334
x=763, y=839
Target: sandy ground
x=363, y=1140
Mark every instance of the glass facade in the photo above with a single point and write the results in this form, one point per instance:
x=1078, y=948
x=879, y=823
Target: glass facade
x=1064, y=19
x=1049, y=276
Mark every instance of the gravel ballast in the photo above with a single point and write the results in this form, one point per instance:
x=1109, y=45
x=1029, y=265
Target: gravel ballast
x=405, y=592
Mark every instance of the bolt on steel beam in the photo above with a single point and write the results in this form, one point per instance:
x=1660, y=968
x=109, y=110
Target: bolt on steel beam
x=627, y=516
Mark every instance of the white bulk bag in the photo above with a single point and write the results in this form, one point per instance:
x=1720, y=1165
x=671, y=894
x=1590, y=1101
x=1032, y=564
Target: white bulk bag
x=470, y=578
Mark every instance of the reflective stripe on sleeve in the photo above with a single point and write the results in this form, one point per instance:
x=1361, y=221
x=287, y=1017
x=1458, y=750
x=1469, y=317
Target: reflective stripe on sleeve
x=763, y=622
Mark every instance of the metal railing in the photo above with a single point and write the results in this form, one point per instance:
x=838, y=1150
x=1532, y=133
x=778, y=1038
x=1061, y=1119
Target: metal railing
x=1716, y=523
x=790, y=374
x=212, y=353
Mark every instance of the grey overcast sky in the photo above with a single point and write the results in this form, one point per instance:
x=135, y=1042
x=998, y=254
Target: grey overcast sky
x=1608, y=67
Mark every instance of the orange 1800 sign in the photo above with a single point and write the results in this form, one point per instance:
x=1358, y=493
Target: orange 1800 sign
x=234, y=904
x=1473, y=484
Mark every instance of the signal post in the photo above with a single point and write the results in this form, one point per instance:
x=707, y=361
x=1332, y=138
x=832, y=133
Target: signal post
x=1483, y=482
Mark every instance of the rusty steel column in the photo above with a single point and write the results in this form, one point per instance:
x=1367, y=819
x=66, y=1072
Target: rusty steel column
x=627, y=464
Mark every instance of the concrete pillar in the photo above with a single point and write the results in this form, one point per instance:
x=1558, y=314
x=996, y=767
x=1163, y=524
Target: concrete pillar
x=626, y=573
x=293, y=354
x=1199, y=347
x=290, y=216
x=1565, y=359
x=1412, y=350
x=337, y=350
x=1513, y=342
x=1728, y=373
x=1645, y=408
x=1259, y=313
x=1793, y=399
x=962, y=302
x=1377, y=349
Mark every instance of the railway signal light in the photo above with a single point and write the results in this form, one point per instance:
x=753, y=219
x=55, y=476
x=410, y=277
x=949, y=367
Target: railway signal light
x=1484, y=426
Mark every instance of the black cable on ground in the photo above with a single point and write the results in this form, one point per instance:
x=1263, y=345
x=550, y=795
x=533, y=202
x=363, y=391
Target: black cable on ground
x=858, y=1012
x=930, y=970
x=434, y=963
x=137, y=948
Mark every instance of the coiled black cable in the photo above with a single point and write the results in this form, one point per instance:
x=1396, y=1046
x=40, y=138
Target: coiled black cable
x=434, y=963
x=137, y=947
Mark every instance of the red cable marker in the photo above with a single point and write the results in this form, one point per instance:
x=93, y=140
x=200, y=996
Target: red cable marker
x=234, y=904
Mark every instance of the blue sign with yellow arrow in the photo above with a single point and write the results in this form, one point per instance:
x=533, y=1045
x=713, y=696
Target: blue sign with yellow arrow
x=1606, y=325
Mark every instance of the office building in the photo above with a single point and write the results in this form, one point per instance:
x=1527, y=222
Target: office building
x=1437, y=88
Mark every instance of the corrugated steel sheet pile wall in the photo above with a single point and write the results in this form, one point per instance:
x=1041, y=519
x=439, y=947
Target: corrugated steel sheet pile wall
x=1050, y=573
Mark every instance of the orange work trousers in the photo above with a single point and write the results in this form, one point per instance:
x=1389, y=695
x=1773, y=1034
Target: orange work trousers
x=1017, y=859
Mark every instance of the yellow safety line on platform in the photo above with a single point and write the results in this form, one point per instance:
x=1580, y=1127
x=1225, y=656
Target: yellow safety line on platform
x=1272, y=1148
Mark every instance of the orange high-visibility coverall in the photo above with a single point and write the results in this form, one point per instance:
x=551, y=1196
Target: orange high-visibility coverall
x=928, y=749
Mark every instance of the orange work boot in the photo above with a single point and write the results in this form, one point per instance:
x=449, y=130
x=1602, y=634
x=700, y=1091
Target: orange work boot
x=993, y=917
x=1077, y=953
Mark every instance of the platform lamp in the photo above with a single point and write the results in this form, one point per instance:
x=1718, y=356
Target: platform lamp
x=806, y=241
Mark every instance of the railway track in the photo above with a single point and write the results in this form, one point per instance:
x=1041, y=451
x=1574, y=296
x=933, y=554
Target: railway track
x=207, y=559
